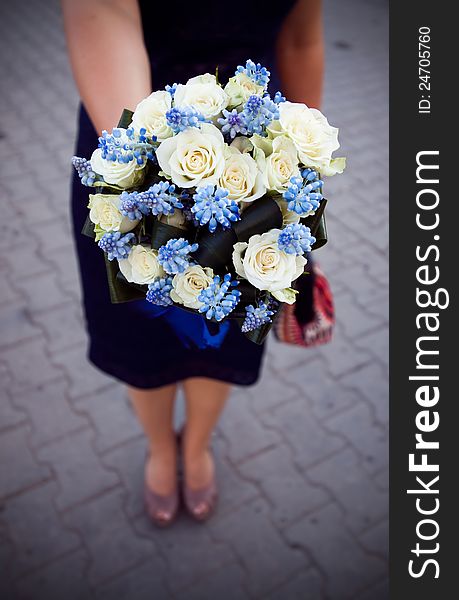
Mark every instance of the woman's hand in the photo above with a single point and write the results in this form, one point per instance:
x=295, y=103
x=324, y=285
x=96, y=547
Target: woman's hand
x=108, y=56
x=300, y=53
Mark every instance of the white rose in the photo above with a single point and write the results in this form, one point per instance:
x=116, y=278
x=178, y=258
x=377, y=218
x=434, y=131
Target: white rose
x=288, y=216
x=187, y=286
x=204, y=94
x=264, y=265
x=281, y=161
x=239, y=89
x=124, y=175
x=141, y=266
x=105, y=212
x=150, y=113
x=241, y=176
x=314, y=138
x=288, y=295
x=193, y=157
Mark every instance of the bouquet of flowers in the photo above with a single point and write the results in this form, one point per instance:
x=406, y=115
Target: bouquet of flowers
x=208, y=197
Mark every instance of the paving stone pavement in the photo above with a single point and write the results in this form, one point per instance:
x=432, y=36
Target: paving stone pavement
x=302, y=456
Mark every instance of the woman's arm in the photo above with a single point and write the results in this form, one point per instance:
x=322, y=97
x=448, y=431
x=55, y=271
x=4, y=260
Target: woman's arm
x=300, y=53
x=108, y=56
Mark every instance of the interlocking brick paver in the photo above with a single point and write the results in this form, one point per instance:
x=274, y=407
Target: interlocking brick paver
x=189, y=551
x=145, y=582
x=109, y=537
x=25, y=262
x=363, y=502
x=246, y=437
x=290, y=494
x=323, y=395
x=43, y=291
x=10, y=415
x=73, y=459
x=15, y=325
x=57, y=420
x=225, y=583
x=127, y=461
x=307, y=585
x=36, y=530
x=372, y=440
x=372, y=383
x=377, y=344
x=376, y=539
x=29, y=365
x=18, y=468
x=379, y=591
x=323, y=535
x=292, y=424
x=6, y=556
x=234, y=489
x=73, y=362
x=306, y=446
x=269, y=560
x=343, y=356
x=122, y=424
x=62, y=326
x=70, y=571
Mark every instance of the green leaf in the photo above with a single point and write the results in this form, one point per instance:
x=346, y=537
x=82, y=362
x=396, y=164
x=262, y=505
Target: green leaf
x=120, y=290
x=125, y=119
x=99, y=232
x=88, y=228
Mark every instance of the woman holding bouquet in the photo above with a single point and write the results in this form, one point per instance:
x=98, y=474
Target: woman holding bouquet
x=121, y=50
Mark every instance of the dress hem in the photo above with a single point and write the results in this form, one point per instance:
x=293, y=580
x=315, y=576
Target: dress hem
x=142, y=382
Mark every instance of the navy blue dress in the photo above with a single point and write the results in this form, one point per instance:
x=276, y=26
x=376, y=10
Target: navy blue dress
x=136, y=342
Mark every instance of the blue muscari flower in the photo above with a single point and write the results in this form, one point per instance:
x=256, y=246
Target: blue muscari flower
x=258, y=74
x=256, y=317
x=171, y=89
x=159, y=199
x=296, y=239
x=258, y=113
x=130, y=207
x=180, y=118
x=116, y=246
x=232, y=123
x=212, y=206
x=84, y=170
x=159, y=292
x=217, y=300
x=302, y=195
x=126, y=145
x=278, y=98
x=174, y=255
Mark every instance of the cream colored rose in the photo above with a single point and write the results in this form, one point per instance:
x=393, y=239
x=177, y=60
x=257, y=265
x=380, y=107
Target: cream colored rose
x=123, y=175
x=288, y=216
x=239, y=89
x=150, y=113
x=264, y=265
x=314, y=138
x=187, y=286
x=204, y=94
x=288, y=295
x=281, y=161
x=105, y=212
x=141, y=266
x=193, y=157
x=241, y=176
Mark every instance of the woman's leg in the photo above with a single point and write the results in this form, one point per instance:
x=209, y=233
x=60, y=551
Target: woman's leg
x=205, y=400
x=155, y=411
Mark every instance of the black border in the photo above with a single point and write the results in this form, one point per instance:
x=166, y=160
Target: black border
x=411, y=132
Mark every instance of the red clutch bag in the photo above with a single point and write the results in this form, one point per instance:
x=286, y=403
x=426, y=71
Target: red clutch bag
x=310, y=320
